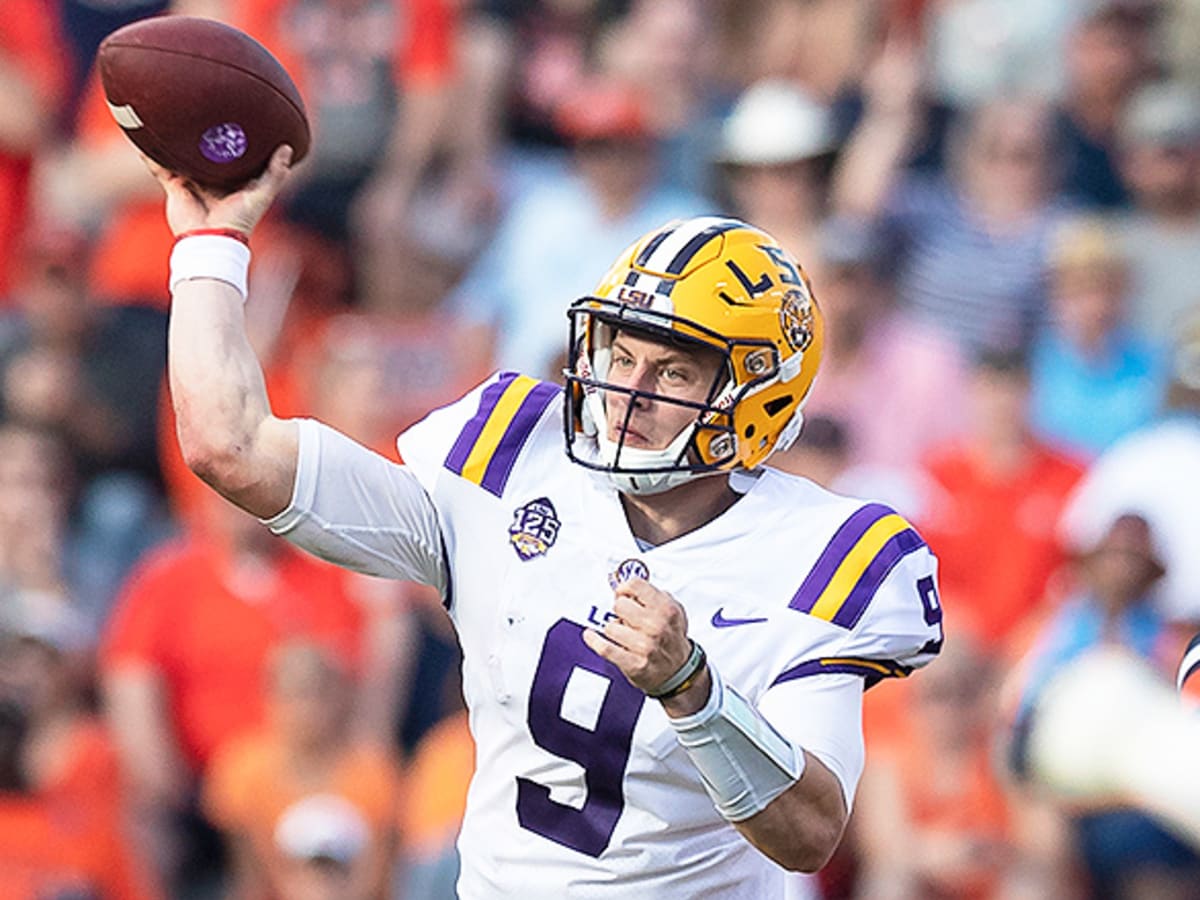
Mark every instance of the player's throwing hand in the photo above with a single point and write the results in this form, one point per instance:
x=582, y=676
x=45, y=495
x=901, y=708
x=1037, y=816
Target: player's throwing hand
x=190, y=206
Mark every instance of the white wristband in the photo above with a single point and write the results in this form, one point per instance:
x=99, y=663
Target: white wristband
x=210, y=256
x=743, y=761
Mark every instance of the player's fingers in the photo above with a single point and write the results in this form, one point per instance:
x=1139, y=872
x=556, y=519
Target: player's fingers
x=659, y=610
x=636, y=589
x=267, y=185
x=641, y=591
x=278, y=167
x=630, y=609
x=166, y=177
x=601, y=645
x=159, y=172
x=616, y=654
x=628, y=637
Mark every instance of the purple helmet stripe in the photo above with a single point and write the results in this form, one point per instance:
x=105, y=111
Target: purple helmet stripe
x=694, y=246
x=648, y=250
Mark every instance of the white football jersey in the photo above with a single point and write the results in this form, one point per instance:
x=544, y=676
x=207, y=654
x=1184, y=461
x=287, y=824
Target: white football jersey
x=581, y=789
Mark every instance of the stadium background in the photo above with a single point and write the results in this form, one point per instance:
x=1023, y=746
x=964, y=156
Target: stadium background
x=998, y=202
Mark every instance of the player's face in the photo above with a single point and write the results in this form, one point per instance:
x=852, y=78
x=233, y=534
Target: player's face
x=652, y=367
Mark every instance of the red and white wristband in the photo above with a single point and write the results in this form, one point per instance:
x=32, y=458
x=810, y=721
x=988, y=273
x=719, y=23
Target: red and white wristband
x=219, y=253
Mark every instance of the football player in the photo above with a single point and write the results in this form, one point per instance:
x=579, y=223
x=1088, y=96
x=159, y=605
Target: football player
x=665, y=643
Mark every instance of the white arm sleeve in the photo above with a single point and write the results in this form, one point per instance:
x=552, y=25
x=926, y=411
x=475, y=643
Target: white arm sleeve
x=360, y=510
x=823, y=715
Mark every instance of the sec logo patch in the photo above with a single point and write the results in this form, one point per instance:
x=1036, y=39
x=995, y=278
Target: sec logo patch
x=630, y=568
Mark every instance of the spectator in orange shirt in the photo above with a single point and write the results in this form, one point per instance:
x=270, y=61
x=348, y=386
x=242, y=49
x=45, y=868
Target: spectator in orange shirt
x=47, y=851
x=375, y=77
x=308, y=806
x=992, y=501
x=376, y=371
x=33, y=82
x=931, y=814
x=62, y=811
x=435, y=800
x=183, y=661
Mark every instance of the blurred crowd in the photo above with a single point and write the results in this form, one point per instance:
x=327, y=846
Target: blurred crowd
x=998, y=204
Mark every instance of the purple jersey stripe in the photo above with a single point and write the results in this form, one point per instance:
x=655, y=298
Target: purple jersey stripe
x=838, y=548
x=499, y=467
x=457, y=457
x=871, y=669
x=897, y=547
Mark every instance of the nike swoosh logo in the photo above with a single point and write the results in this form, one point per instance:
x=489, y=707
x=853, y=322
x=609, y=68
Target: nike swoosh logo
x=719, y=621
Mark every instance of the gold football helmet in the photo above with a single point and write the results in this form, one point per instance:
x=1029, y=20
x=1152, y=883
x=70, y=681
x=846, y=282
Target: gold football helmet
x=707, y=282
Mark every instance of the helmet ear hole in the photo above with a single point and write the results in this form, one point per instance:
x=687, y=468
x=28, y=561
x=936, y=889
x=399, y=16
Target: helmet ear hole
x=777, y=405
x=750, y=429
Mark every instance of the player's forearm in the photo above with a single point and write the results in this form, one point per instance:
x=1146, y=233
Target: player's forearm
x=781, y=798
x=222, y=411
x=801, y=827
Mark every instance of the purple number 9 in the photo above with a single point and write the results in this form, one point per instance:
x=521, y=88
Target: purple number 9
x=603, y=752
x=929, y=600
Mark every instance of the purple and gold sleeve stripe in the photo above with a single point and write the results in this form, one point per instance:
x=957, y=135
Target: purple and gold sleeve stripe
x=854, y=564
x=487, y=447
x=872, y=669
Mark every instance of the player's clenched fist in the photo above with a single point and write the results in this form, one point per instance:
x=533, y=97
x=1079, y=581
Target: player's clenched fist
x=647, y=636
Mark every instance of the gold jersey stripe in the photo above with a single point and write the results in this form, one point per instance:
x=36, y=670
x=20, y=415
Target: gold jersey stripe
x=497, y=424
x=855, y=564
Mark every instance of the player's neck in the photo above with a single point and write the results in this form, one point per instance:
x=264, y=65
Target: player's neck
x=658, y=518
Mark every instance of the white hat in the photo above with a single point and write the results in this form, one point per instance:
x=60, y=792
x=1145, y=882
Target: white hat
x=1163, y=113
x=775, y=122
x=43, y=616
x=322, y=826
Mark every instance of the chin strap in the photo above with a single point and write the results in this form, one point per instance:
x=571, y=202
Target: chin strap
x=791, y=430
x=645, y=483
